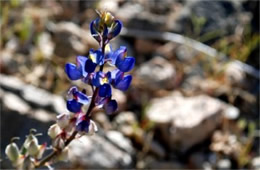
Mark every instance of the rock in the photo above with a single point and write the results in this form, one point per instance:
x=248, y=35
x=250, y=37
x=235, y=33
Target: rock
x=189, y=120
x=223, y=142
x=155, y=164
x=96, y=152
x=224, y=164
x=102, y=119
x=157, y=149
x=37, y=96
x=208, y=16
x=234, y=74
x=231, y=112
x=68, y=39
x=144, y=46
x=157, y=73
x=34, y=96
x=185, y=53
x=15, y=103
x=124, y=123
x=256, y=163
x=207, y=166
x=108, y=5
x=45, y=45
x=197, y=159
x=120, y=140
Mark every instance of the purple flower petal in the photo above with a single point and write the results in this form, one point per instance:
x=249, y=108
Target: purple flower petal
x=105, y=90
x=90, y=66
x=72, y=91
x=94, y=29
x=72, y=71
x=115, y=29
x=82, y=125
x=126, y=64
x=81, y=61
x=96, y=81
x=96, y=57
x=73, y=106
x=111, y=106
x=124, y=83
x=82, y=98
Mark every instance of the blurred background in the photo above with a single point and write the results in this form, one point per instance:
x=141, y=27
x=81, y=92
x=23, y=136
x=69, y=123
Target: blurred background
x=194, y=99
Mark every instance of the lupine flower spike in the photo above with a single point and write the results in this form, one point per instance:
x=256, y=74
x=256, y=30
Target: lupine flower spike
x=88, y=69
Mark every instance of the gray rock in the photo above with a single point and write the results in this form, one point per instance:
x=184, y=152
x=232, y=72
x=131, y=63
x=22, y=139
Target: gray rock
x=15, y=103
x=35, y=96
x=212, y=13
x=256, y=163
x=185, y=121
x=96, y=152
x=224, y=164
x=120, y=140
x=68, y=39
x=235, y=74
x=157, y=73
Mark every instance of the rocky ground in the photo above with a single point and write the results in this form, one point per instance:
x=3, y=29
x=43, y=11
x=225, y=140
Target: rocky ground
x=194, y=99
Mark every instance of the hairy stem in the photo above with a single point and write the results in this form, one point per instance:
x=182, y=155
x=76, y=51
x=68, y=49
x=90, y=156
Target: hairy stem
x=55, y=152
x=92, y=104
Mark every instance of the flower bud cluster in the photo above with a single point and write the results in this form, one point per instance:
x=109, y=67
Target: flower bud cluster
x=30, y=151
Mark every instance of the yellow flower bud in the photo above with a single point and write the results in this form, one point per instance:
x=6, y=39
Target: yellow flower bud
x=108, y=18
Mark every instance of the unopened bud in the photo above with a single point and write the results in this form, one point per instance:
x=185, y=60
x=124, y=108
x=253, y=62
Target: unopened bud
x=33, y=148
x=58, y=143
x=63, y=120
x=54, y=130
x=12, y=152
x=108, y=18
x=28, y=140
x=64, y=155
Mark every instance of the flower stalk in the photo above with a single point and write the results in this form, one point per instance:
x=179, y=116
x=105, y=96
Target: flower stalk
x=76, y=122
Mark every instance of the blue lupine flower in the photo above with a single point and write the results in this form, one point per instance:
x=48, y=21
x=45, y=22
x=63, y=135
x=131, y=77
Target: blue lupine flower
x=84, y=66
x=76, y=100
x=105, y=90
x=119, y=58
x=120, y=81
x=103, y=29
x=82, y=123
x=101, y=78
x=96, y=56
x=72, y=71
x=110, y=106
x=124, y=63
